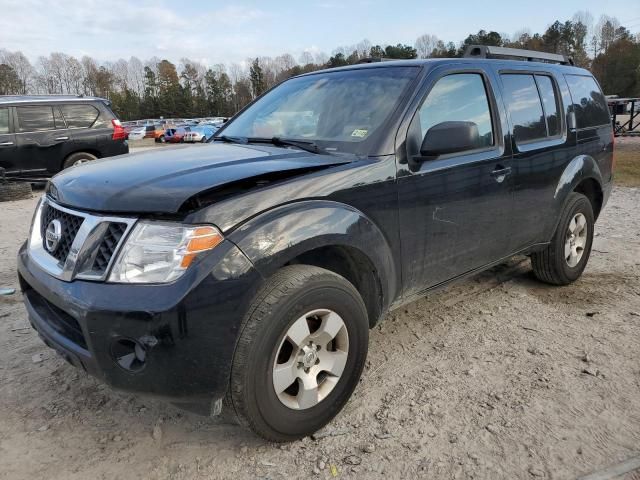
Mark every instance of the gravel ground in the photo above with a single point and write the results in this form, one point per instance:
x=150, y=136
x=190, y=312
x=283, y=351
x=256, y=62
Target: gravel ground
x=496, y=377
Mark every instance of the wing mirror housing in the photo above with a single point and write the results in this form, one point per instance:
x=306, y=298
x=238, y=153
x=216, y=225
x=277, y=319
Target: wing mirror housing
x=450, y=137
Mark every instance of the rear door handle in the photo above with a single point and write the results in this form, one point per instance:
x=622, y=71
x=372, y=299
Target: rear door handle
x=6, y=144
x=500, y=173
x=61, y=139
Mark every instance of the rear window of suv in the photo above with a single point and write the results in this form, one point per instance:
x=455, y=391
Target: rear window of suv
x=589, y=103
x=78, y=116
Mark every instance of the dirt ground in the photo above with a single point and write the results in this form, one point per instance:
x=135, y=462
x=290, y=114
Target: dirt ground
x=496, y=377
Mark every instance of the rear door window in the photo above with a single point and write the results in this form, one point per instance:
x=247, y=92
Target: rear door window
x=58, y=119
x=80, y=116
x=4, y=121
x=35, y=119
x=550, y=104
x=525, y=107
x=589, y=103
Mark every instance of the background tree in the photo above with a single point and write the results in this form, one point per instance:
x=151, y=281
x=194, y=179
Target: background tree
x=425, y=45
x=256, y=77
x=9, y=81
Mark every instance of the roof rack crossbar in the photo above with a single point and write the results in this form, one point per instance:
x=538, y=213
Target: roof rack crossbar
x=487, y=51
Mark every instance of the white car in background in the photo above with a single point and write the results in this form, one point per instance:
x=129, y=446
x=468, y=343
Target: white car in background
x=137, y=134
x=201, y=133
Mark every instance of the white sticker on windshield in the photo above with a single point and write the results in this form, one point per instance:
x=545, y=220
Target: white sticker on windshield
x=359, y=132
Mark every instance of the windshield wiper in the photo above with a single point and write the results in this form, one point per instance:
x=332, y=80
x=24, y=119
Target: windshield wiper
x=229, y=139
x=305, y=145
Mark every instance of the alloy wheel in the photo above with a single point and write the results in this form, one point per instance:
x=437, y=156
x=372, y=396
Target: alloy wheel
x=575, y=240
x=310, y=359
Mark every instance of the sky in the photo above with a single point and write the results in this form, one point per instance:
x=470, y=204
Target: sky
x=223, y=32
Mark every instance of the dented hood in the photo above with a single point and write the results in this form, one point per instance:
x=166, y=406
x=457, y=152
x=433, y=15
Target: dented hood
x=164, y=180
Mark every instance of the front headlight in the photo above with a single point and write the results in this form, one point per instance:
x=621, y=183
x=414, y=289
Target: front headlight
x=159, y=252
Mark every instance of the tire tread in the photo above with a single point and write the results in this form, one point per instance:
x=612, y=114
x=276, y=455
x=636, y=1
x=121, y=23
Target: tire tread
x=545, y=264
x=285, y=280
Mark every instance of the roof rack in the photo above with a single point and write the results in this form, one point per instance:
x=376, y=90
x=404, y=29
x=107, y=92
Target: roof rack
x=376, y=59
x=487, y=51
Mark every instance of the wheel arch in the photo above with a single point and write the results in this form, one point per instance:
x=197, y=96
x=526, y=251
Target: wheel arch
x=94, y=152
x=581, y=175
x=329, y=235
x=591, y=189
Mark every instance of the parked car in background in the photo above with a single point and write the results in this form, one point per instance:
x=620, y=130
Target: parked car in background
x=201, y=133
x=138, y=133
x=157, y=132
x=175, y=134
x=129, y=127
x=40, y=135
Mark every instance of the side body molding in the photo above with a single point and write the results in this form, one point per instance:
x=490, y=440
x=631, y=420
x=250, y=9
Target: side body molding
x=274, y=238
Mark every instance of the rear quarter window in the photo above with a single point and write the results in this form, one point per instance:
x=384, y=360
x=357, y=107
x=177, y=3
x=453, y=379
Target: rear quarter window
x=589, y=103
x=79, y=116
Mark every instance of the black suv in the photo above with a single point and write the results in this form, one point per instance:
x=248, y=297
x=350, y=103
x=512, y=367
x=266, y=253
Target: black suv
x=41, y=135
x=251, y=269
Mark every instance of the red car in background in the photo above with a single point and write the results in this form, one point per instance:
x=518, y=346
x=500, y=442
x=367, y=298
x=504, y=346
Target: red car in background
x=175, y=135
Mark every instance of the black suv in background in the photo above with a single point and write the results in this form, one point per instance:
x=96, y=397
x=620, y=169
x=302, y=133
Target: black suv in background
x=252, y=268
x=41, y=135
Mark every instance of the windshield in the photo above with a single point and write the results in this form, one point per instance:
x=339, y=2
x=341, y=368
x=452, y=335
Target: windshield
x=339, y=111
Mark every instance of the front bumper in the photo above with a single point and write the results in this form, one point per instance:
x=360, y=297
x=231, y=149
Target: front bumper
x=185, y=331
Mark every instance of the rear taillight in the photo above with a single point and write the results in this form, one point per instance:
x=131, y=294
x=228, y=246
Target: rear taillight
x=119, y=132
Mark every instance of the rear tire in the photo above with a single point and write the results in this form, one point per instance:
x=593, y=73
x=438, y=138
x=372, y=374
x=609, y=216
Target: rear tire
x=315, y=300
x=565, y=258
x=78, y=158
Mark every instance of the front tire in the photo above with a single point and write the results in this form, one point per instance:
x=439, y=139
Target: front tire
x=565, y=258
x=300, y=354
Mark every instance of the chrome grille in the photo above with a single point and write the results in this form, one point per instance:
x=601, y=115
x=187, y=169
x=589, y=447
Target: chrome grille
x=108, y=246
x=88, y=242
x=70, y=226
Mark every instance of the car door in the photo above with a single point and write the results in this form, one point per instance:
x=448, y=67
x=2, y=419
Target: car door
x=42, y=139
x=8, y=160
x=542, y=148
x=455, y=209
x=86, y=129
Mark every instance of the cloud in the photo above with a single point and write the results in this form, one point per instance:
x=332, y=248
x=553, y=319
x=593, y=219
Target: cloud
x=120, y=29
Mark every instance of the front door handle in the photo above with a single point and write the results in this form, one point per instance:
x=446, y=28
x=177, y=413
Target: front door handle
x=61, y=139
x=6, y=144
x=500, y=173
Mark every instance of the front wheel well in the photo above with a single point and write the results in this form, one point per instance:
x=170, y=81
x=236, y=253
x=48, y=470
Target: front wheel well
x=591, y=189
x=353, y=265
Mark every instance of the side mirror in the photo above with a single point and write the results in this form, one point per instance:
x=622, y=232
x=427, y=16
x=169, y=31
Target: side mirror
x=450, y=137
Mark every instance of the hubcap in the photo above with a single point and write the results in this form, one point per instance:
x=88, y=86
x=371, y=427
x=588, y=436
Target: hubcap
x=81, y=161
x=576, y=240
x=310, y=359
